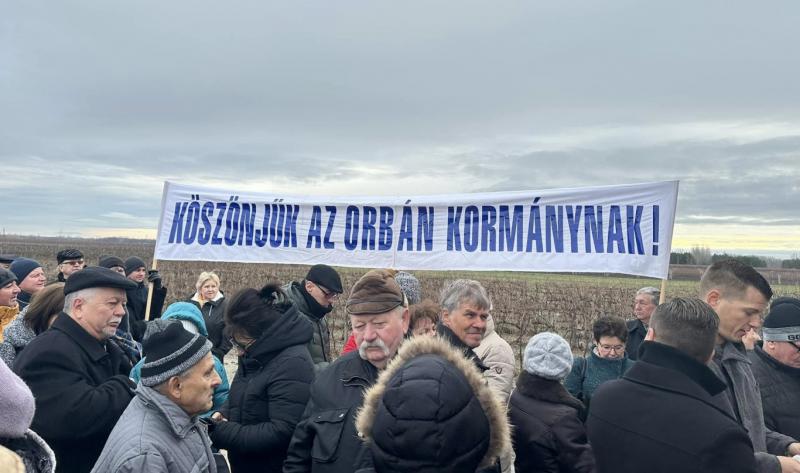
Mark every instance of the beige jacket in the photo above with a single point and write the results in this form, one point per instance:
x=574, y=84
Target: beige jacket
x=498, y=355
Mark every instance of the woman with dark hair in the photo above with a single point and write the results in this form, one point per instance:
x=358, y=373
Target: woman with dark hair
x=35, y=319
x=271, y=387
x=606, y=361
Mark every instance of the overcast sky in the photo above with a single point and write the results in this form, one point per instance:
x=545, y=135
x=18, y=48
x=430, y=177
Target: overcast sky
x=100, y=102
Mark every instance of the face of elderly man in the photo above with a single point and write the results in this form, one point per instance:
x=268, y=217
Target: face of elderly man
x=378, y=336
x=99, y=311
x=468, y=322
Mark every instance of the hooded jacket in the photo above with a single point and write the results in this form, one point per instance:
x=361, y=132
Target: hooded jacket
x=780, y=392
x=214, y=316
x=189, y=312
x=462, y=424
x=319, y=346
x=498, y=356
x=267, y=397
x=155, y=435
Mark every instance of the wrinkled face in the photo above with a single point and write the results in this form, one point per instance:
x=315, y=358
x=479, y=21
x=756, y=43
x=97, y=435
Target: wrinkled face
x=101, y=312
x=643, y=307
x=424, y=326
x=324, y=296
x=138, y=275
x=737, y=313
x=468, y=322
x=787, y=353
x=8, y=294
x=194, y=392
x=610, y=347
x=70, y=266
x=34, y=281
x=378, y=336
x=209, y=290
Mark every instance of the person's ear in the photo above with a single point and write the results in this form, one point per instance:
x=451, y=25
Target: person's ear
x=406, y=319
x=651, y=334
x=445, y=319
x=713, y=297
x=174, y=387
x=308, y=286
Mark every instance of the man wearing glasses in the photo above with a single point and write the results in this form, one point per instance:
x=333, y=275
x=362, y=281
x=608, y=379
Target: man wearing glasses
x=69, y=261
x=314, y=297
x=739, y=295
x=776, y=365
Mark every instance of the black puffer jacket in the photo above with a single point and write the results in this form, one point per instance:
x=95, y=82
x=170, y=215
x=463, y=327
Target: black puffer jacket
x=214, y=317
x=267, y=397
x=549, y=436
x=325, y=440
x=780, y=392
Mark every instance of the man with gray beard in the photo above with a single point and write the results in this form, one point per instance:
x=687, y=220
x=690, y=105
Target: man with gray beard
x=325, y=440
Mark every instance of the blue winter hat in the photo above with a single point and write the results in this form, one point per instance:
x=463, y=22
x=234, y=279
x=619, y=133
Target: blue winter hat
x=22, y=267
x=186, y=311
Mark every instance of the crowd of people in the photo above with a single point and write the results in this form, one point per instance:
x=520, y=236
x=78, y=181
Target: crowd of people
x=92, y=381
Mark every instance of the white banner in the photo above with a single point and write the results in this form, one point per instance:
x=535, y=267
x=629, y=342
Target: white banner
x=612, y=229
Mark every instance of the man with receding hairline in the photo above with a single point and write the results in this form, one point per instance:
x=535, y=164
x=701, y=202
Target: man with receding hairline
x=739, y=295
x=661, y=417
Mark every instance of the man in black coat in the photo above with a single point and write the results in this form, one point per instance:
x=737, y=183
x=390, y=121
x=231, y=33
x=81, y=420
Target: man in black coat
x=661, y=416
x=776, y=366
x=644, y=304
x=80, y=382
x=136, y=271
x=325, y=440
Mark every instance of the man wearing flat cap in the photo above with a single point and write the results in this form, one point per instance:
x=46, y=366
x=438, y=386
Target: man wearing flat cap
x=69, y=262
x=314, y=297
x=6, y=260
x=776, y=366
x=79, y=380
x=325, y=440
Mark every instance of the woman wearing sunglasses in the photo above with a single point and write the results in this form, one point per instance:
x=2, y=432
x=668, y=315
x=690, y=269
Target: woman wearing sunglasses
x=271, y=387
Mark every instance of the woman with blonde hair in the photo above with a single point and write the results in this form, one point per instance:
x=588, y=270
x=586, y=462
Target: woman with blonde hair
x=211, y=302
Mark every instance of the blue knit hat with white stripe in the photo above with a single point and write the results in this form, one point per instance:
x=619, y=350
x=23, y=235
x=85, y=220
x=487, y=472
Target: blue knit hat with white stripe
x=171, y=352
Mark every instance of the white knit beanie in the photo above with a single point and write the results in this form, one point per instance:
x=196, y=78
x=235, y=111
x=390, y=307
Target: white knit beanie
x=548, y=355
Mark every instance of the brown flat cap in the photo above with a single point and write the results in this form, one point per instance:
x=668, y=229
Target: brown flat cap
x=375, y=293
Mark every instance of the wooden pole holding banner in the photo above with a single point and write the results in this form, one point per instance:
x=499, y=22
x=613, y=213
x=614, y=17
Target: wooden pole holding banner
x=150, y=291
x=663, y=296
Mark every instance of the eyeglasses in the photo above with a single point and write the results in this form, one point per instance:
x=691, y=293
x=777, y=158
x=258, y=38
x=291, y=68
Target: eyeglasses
x=614, y=348
x=74, y=262
x=239, y=346
x=328, y=294
x=794, y=345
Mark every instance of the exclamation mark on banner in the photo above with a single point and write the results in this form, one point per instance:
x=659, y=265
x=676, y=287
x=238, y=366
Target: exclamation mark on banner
x=655, y=230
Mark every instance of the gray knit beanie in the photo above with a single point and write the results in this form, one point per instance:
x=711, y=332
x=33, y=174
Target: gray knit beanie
x=170, y=352
x=410, y=286
x=548, y=355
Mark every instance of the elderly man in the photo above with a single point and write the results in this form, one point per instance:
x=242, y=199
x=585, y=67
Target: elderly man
x=80, y=381
x=660, y=417
x=325, y=440
x=6, y=260
x=465, y=313
x=160, y=431
x=739, y=295
x=314, y=297
x=776, y=366
x=644, y=304
x=69, y=261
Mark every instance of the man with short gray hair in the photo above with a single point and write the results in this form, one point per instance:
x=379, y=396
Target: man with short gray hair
x=644, y=304
x=80, y=382
x=465, y=313
x=660, y=416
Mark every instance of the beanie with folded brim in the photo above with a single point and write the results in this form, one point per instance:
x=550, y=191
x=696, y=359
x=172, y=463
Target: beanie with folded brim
x=171, y=352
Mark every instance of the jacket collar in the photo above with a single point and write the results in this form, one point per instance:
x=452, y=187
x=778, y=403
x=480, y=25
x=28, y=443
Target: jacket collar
x=444, y=331
x=178, y=420
x=730, y=351
x=547, y=390
x=356, y=370
x=674, y=371
x=93, y=347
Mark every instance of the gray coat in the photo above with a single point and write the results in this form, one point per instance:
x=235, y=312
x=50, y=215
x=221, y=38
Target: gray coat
x=742, y=398
x=155, y=435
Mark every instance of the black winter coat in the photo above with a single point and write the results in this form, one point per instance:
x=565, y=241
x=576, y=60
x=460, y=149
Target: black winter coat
x=636, y=333
x=780, y=392
x=267, y=397
x=549, y=435
x=325, y=440
x=137, y=306
x=661, y=417
x=81, y=387
x=214, y=317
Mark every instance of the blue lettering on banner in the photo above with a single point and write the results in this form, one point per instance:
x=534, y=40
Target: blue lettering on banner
x=425, y=228
x=453, y=233
x=510, y=231
x=634, y=231
x=351, y=227
x=488, y=233
x=405, y=236
x=204, y=234
x=615, y=230
x=385, y=231
x=573, y=220
x=554, y=225
x=368, y=228
x=534, y=229
x=593, y=228
x=471, y=228
x=315, y=228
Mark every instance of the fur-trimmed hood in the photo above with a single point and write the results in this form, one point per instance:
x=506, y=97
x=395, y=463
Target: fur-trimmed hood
x=418, y=357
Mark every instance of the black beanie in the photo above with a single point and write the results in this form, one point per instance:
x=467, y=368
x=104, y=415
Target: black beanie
x=325, y=276
x=6, y=277
x=782, y=324
x=108, y=261
x=133, y=263
x=68, y=254
x=171, y=352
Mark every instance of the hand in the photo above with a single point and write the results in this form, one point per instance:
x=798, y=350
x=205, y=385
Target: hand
x=789, y=465
x=794, y=449
x=154, y=277
x=750, y=339
x=217, y=417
